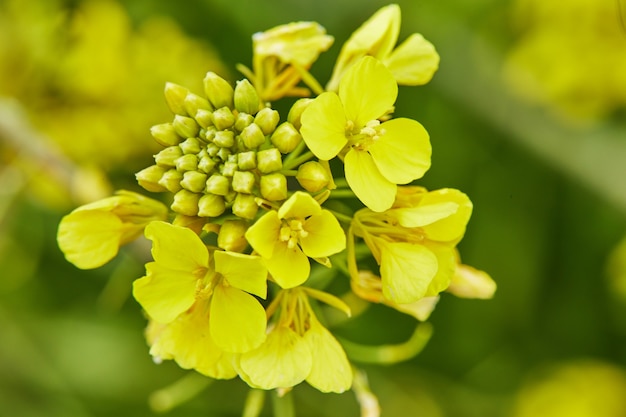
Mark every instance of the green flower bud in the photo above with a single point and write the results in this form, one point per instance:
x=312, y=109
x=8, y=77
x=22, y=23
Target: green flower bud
x=165, y=134
x=175, y=98
x=296, y=111
x=286, y=137
x=193, y=181
x=206, y=164
x=168, y=156
x=190, y=145
x=229, y=168
x=223, y=118
x=149, y=178
x=223, y=153
x=193, y=103
x=269, y=160
x=246, y=97
x=211, y=205
x=209, y=133
x=243, y=120
x=218, y=90
x=171, y=180
x=231, y=236
x=246, y=160
x=204, y=118
x=187, y=162
x=186, y=127
x=245, y=206
x=252, y=136
x=212, y=149
x=243, y=182
x=224, y=138
x=185, y=202
x=274, y=187
x=218, y=184
x=312, y=176
x=267, y=119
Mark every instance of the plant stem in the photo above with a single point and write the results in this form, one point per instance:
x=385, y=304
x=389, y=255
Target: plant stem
x=283, y=405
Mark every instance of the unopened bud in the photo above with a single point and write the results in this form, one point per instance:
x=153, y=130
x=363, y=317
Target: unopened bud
x=312, y=176
x=223, y=118
x=185, y=202
x=149, y=178
x=165, y=134
x=190, y=145
x=206, y=164
x=252, y=136
x=175, y=98
x=243, y=120
x=171, y=180
x=246, y=160
x=269, y=160
x=286, y=137
x=204, y=118
x=218, y=90
x=224, y=138
x=193, y=103
x=186, y=127
x=231, y=236
x=267, y=119
x=246, y=97
x=274, y=187
x=168, y=156
x=296, y=111
x=211, y=205
x=193, y=181
x=218, y=184
x=187, y=162
x=245, y=206
x=243, y=182
x=229, y=168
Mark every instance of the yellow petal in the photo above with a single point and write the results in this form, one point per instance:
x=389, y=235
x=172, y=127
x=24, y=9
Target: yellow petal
x=367, y=91
x=248, y=273
x=447, y=259
x=89, y=238
x=324, y=126
x=176, y=247
x=325, y=236
x=424, y=214
x=402, y=152
x=237, y=320
x=165, y=293
x=414, y=62
x=406, y=271
x=187, y=340
x=284, y=360
x=452, y=227
x=330, y=370
x=299, y=205
x=290, y=267
x=364, y=178
x=264, y=234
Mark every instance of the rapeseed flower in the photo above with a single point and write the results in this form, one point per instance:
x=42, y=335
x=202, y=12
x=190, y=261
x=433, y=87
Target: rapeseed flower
x=287, y=237
x=376, y=155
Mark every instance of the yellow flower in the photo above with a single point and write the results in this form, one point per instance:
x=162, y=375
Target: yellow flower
x=298, y=348
x=377, y=156
x=299, y=229
x=185, y=275
x=414, y=62
x=414, y=242
x=91, y=235
x=469, y=282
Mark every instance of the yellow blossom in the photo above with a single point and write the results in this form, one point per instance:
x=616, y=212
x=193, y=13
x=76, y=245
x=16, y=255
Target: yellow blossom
x=469, y=282
x=185, y=275
x=91, y=235
x=298, y=348
x=414, y=62
x=299, y=229
x=376, y=155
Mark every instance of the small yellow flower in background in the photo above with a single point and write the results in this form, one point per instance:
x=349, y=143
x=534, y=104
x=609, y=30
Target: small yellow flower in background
x=376, y=156
x=414, y=62
x=288, y=237
x=298, y=348
x=184, y=274
x=91, y=235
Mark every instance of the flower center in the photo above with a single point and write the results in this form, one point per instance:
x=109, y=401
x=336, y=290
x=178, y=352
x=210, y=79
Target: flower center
x=292, y=231
x=366, y=136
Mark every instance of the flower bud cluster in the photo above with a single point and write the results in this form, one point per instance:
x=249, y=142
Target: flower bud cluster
x=222, y=152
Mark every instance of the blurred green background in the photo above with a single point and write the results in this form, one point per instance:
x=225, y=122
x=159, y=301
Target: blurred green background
x=526, y=115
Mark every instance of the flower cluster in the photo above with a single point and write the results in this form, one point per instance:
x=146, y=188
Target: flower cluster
x=230, y=292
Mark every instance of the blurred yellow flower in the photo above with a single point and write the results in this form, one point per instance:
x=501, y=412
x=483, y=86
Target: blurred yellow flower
x=376, y=155
x=414, y=62
x=298, y=230
x=91, y=235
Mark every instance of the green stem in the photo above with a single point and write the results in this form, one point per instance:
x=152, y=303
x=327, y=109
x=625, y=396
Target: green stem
x=342, y=194
x=254, y=403
x=283, y=405
x=298, y=160
x=341, y=217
